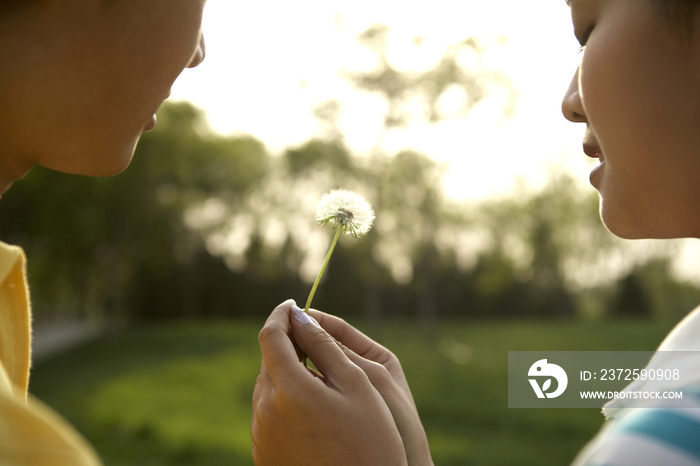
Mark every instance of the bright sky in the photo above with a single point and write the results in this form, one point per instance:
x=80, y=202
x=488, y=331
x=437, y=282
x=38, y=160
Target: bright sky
x=259, y=54
x=269, y=62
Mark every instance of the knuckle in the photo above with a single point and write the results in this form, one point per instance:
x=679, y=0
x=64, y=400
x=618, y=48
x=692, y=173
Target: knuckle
x=321, y=337
x=391, y=356
x=382, y=355
x=265, y=334
x=343, y=322
x=284, y=393
x=344, y=348
x=283, y=406
x=265, y=413
x=257, y=453
x=287, y=394
x=378, y=370
x=356, y=378
x=256, y=390
x=342, y=328
x=378, y=373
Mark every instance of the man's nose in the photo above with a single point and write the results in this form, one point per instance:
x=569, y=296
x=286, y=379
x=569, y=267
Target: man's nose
x=199, y=54
x=571, y=105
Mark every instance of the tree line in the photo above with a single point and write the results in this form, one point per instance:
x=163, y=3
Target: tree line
x=202, y=225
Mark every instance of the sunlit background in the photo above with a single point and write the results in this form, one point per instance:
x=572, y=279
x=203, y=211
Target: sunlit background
x=270, y=63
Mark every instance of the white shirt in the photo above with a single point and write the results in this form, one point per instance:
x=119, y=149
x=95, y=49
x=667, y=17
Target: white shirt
x=657, y=434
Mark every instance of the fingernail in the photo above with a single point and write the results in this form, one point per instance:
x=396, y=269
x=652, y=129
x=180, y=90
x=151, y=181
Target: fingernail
x=285, y=302
x=302, y=317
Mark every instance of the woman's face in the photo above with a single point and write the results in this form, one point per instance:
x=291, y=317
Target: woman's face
x=638, y=90
x=93, y=73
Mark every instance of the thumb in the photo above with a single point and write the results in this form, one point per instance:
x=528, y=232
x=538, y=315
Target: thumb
x=323, y=350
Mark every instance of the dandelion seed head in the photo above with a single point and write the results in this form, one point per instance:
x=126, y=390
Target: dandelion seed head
x=347, y=210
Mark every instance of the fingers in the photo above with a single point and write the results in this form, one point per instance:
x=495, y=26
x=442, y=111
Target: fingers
x=349, y=362
x=263, y=385
x=263, y=391
x=324, y=352
x=279, y=354
x=351, y=337
x=378, y=375
x=358, y=342
x=253, y=418
x=401, y=405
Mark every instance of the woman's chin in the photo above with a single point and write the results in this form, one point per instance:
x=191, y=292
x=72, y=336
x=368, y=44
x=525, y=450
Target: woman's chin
x=620, y=224
x=646, y=227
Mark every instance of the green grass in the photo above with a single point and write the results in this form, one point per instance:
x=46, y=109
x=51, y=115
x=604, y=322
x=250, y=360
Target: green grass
x=180, y=393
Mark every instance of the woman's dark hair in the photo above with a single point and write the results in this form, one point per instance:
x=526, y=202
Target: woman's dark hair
x=8, y=6
x=679, y=12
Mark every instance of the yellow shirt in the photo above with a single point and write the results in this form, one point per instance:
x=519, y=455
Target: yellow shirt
x=31, y=434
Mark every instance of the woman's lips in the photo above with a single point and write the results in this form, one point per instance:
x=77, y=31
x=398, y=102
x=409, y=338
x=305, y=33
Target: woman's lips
x=591, y=150
x=596, y=173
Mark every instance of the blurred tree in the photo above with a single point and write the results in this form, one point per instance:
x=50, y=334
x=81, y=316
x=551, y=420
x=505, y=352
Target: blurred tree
x=407, y=186
x=650, y=291
x=535, y=240
x=631, y=299
x=204, y=225
x=99, y=246
x=410, y=190
x=398, y=87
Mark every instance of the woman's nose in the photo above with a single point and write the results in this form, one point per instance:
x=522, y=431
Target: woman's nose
x=199, y=54
x=571, y=106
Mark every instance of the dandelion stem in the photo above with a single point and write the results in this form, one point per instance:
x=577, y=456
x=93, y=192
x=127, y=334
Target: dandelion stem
x=323, y=268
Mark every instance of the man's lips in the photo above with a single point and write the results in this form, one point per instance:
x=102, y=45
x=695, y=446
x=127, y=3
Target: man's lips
x=151, y=123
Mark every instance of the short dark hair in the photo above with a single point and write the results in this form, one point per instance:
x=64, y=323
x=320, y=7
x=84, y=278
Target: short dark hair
x=679, y=12
x=9, y=6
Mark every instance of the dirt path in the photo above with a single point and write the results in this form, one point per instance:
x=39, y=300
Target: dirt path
x=50, y=340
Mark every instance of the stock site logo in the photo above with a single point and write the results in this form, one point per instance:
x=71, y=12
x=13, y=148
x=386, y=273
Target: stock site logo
x=541, y=369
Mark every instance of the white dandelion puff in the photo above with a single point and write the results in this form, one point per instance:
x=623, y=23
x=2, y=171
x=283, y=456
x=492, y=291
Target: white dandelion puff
x=347, y=211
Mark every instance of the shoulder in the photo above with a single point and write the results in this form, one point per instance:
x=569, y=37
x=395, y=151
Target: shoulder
x=660, y=432
x=685, y=336
x=33, y=434
x=10, y=257
x=647, y=437
x=10, y=252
